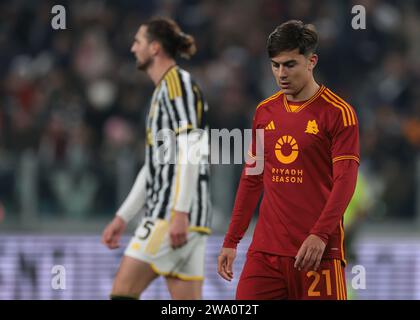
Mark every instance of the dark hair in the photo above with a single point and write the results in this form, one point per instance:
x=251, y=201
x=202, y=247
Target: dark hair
x=169, y=35
x=291, y=35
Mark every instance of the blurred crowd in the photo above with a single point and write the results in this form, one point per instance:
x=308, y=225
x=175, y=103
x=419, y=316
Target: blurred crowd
x=73, y=105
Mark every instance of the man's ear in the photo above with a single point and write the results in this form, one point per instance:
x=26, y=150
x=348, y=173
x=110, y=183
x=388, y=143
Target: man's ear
x=313, y=60
x=155, y=48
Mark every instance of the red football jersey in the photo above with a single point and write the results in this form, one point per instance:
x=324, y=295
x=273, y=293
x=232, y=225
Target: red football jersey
x=301, y=143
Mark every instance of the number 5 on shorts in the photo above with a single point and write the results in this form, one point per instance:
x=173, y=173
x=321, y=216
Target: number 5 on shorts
x=147, y=227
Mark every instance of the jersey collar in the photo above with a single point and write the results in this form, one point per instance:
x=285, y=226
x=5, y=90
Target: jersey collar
x=308, y=102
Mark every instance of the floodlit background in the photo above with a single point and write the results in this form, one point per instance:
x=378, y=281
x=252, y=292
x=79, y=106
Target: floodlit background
x=72, y=113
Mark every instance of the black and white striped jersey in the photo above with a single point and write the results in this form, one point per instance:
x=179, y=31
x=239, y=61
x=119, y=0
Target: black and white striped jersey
x=177, y=106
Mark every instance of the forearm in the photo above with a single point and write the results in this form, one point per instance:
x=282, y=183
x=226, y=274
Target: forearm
x=136, y=199
x=247, y=197
x=187, y=171
x=188, y=179
x=345, y=178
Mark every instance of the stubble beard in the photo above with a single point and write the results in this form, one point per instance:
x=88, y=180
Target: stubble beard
x=143, y=66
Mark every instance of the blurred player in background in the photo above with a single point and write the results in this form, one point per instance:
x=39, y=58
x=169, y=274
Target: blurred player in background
x=310, y=157
x=171, y=237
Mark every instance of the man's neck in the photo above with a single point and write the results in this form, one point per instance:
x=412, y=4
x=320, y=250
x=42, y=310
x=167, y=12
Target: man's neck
x=158, y=69
x=306, y=93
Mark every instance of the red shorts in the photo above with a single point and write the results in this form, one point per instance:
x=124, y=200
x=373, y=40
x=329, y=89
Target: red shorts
x=271, y=277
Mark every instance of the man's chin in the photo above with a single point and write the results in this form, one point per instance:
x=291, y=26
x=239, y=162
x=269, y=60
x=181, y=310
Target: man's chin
x=143, y=65
x=140, y=66
x=287, y=90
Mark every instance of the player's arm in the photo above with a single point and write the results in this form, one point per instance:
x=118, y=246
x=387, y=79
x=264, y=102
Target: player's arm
x=136, y=198
x=134, y=202
x=247, y=197
x=345, y=158
x=345, y=178
x=190, y=149
x=190, y=106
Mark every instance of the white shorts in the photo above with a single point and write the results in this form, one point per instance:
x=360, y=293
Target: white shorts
x=151, y=244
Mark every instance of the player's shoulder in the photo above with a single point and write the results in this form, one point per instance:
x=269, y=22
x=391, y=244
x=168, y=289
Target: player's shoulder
x=176, y=79
x=332, y=100
x=334, y=104
x=331, y=97
x=273, y=99
x=182, y=72
x=185, y=76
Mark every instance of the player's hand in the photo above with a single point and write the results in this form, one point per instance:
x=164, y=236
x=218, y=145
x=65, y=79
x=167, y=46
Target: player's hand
x=225, y=263
x=310, y=253
x=178, y=229
x=112, y=233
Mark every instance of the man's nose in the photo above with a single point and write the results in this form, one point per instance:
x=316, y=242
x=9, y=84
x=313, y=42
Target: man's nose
x=282, y=72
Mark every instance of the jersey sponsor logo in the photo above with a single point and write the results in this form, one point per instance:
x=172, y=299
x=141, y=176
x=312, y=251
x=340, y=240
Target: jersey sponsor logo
x=286, y=149
x=270, y=126
x=282, y=175
x=312, y=127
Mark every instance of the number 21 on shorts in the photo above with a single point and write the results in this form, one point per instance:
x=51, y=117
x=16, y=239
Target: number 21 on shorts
x=314, y=290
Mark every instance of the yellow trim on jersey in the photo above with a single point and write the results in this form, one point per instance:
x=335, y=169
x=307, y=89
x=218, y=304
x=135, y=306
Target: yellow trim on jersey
x=172, y=81
x=200, y=229
x=343, y=112
x=339, y=279
x=164, y=77
x=293, y=107
x=199, y=105
x=177, y=275
x=321, y=89
x=337, y=98
x=342, y=284
x=177, y=82
x=337, y=287
x=278, y=94
x=174, y=85
x=349, y=112
x=152, y=110
x=149, y=137
x=157, y=237
x=346, y=108
x=194, y=228
x=170, y=85
x=178, y=171
x=184, y=128
x=346, y=157
x=316, y=95
x=286, y=105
